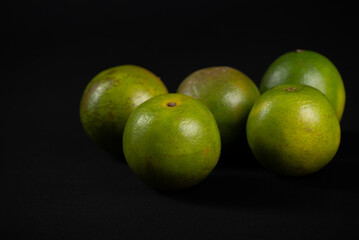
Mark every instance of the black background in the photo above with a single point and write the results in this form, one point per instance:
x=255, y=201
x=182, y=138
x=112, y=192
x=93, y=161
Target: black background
x=56, y=184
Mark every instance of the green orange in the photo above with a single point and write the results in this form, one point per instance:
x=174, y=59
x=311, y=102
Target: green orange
x=228, y=93
x=308, y=68
x=171, y=142
x=293, y=130
x=109, y=99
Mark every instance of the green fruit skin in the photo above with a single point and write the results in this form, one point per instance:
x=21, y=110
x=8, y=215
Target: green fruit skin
x=228, y=93
x=293, y=133
x=171, y=148
x=109, y=99
x=308, y=68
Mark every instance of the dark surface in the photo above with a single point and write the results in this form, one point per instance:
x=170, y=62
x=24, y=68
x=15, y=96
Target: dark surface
x=56, y=184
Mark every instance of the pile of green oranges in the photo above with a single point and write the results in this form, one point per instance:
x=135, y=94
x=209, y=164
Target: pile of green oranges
x=173, y=141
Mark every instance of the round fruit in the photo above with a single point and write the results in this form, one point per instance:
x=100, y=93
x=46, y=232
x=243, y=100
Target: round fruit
x=171, y=142
x=308, y=68
x=293, y=130
x=228, y=93
x=109, y=99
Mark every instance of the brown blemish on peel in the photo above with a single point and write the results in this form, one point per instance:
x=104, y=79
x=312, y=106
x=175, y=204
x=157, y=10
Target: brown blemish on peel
x=291, y=89
x=307, y=129
x=171, y=104
x=299, y=50
x=206, y=151
x=111, y=71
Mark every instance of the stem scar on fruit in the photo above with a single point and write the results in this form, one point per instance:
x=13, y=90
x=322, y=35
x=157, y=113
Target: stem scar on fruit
x=171, y=104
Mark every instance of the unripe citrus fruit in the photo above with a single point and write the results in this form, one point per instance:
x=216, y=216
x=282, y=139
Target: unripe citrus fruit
x=171, y=142
x=228, y=93
x=293, y=130
x=109, y=99
x=308, y=68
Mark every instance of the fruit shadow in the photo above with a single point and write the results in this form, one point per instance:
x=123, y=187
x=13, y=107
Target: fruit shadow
x=244, y=183
x=239, y=189
x=237, y=155
x=257, y=189
x=341, y=174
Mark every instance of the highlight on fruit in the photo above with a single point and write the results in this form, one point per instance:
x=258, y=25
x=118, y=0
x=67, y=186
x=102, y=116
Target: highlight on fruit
x=173, y=141
x=293, y=130
x=228, y=93
x=308, y=68
x=110, y=97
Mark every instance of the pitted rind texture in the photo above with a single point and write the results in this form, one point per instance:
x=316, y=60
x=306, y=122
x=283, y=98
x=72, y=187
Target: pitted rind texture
x=308, y=68
x=109, y=99
x=172, y=148
x=228, y=93
x=293, y=133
